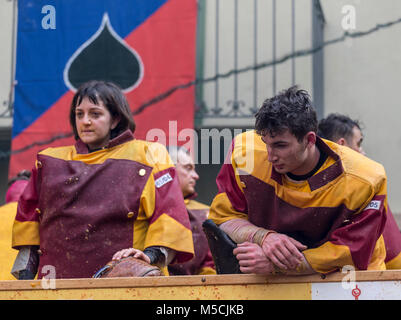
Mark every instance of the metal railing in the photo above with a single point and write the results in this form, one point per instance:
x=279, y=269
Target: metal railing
x=242, y=98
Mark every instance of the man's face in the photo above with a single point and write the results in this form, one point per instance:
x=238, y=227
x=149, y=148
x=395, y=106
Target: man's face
x=186, y=173
x=355, y=142
x=287, y=154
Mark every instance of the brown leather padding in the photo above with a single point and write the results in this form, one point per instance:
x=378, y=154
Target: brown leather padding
x=130, y=267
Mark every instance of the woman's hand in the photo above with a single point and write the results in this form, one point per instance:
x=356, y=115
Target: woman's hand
x=136, y=253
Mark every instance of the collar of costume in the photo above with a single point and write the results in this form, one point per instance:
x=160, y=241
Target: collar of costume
x=126, y=136
x=190, y=197
x=323, y=177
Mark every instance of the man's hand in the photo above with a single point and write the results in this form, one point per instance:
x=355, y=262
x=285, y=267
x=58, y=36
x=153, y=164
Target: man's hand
x=283, y=251
x=252, y=259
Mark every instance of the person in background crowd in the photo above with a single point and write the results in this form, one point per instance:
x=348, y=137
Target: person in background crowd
x=346, y=131
x=16, y=186
x=202, y=263
x=342, y=130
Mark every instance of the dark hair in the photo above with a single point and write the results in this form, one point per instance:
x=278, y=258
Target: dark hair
x=22, y=175
x=336, y=126
x=113, y=99
x=290, y=109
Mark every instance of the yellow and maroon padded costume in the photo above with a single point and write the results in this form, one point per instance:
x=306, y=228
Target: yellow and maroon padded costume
x=339, y=212
x=202, y=263
x=7, y=216
x=7, y=254
x=82, y=207
x=392, y=241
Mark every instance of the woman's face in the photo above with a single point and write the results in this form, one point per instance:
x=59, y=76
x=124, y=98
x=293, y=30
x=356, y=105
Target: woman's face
x=94, y=123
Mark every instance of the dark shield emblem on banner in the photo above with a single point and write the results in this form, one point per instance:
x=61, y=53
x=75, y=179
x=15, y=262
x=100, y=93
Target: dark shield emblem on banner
x=104, y=56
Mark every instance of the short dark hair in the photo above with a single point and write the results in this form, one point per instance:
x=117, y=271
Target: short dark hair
x=113, y=99
x=336, y=126
x=290, y=109
x=22, y=175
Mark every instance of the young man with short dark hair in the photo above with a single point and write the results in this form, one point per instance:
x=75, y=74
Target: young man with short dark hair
x=295, y=203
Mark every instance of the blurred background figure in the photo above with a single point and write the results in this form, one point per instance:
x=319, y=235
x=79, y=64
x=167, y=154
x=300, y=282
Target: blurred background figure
x=346, y=131
x=198, y=212
x=7, y=215
x=342, y=130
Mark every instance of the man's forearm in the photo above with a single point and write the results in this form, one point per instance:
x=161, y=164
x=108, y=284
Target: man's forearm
x=240, y=230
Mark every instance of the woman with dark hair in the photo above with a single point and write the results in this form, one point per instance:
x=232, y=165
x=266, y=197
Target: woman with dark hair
x=89, y=202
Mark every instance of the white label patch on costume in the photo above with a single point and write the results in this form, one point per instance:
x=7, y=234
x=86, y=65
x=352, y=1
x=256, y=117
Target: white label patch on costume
x=374, y=204
x=160, y=182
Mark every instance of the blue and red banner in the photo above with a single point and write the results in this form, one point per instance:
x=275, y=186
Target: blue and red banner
x=147, y=47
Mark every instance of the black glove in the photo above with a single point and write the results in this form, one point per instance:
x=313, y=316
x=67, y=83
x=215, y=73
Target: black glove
x=25, y=275
x=155, y=255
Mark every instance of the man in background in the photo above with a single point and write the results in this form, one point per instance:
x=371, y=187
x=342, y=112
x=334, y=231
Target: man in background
x=7, y=215
x=342, y=130
x=346, y=131
x=202, y=263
